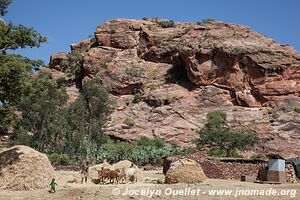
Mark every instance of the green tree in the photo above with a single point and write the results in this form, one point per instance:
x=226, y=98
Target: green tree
x=43, y=124
x=15, y=70
x=217, y=136
x=96, y=99
x=87, y=116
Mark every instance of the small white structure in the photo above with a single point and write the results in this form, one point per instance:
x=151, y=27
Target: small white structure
x=277, y=164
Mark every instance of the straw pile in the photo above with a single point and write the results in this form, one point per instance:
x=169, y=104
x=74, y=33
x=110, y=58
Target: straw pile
x=126, y=163
x=23, y=168
x=93, y=171
x=185, y=171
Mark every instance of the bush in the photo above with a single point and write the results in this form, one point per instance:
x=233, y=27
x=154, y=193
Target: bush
x=129, y=122
x=297, y=110
x=216, y=118
x=134, y=71
x=257, y=156
x=166, y=24
x=138, y=96
x=156, y=142
x=189, y=150
x=274, y=115
x=216, y=153
x=206, y=21
x=72, y=66
x=59, y=159
x=159, y=181
x=169, y=100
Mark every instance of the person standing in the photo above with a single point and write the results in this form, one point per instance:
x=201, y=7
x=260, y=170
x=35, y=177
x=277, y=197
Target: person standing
x=85, y=171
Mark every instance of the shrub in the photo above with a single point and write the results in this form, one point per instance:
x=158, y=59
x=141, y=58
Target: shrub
x=189, y=150
x=138, y=96
x=166, y=24
x=159, y=181
x=297, y=110
x=72, y=66
x=206, y=21
x=92, y=38
x=145, y=18
x=216, y=118
x=129, y=121
x=216, y=153
x=59, y=159
x=156, y=142
x=275, y=115
x=257, y=156
x=169, y=100
x=134, y=71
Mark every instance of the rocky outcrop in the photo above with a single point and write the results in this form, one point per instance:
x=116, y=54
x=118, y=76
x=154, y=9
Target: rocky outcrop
x=168, y=78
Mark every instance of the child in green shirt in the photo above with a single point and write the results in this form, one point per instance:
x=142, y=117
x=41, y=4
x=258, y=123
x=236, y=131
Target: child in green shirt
x=53, y=184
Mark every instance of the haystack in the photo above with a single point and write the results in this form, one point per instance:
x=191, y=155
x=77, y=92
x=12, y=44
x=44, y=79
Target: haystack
x=93, y=171
x=185, y=171
x=119, y=165
x=23, y=168
x=126, y=163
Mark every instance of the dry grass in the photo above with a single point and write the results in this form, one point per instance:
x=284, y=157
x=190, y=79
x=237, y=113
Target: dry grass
x=23, y=168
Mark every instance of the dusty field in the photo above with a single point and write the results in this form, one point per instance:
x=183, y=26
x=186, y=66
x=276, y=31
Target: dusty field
x=68, y=189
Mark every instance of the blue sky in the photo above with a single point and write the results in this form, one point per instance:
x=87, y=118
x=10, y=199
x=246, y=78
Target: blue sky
x=65, y=22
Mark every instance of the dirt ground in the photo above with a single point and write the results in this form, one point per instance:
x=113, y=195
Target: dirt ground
x=70, y=188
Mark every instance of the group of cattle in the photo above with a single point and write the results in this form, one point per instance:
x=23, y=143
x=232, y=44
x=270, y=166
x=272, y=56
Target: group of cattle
x=118, y=175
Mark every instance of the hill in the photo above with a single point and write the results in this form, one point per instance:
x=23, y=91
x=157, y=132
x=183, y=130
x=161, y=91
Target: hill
x=166, y=76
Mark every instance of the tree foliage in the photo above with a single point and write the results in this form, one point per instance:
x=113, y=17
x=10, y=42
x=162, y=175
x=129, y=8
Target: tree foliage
x=15, y=70
x=18, y=36
x=72, y=65
x=43, y=123
x=15, y=74
x=3, y=6
x=50, y=125
x=144, y=151
x=218, y=137
x=97, y=104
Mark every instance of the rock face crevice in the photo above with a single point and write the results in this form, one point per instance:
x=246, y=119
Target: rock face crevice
x=188, y=68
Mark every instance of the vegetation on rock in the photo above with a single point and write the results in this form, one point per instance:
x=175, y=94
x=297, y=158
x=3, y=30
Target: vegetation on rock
x=206, y=21
x=129, y=122
x=297, y=110
x=72, y=65
x=220, y=139
x=166, y=24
